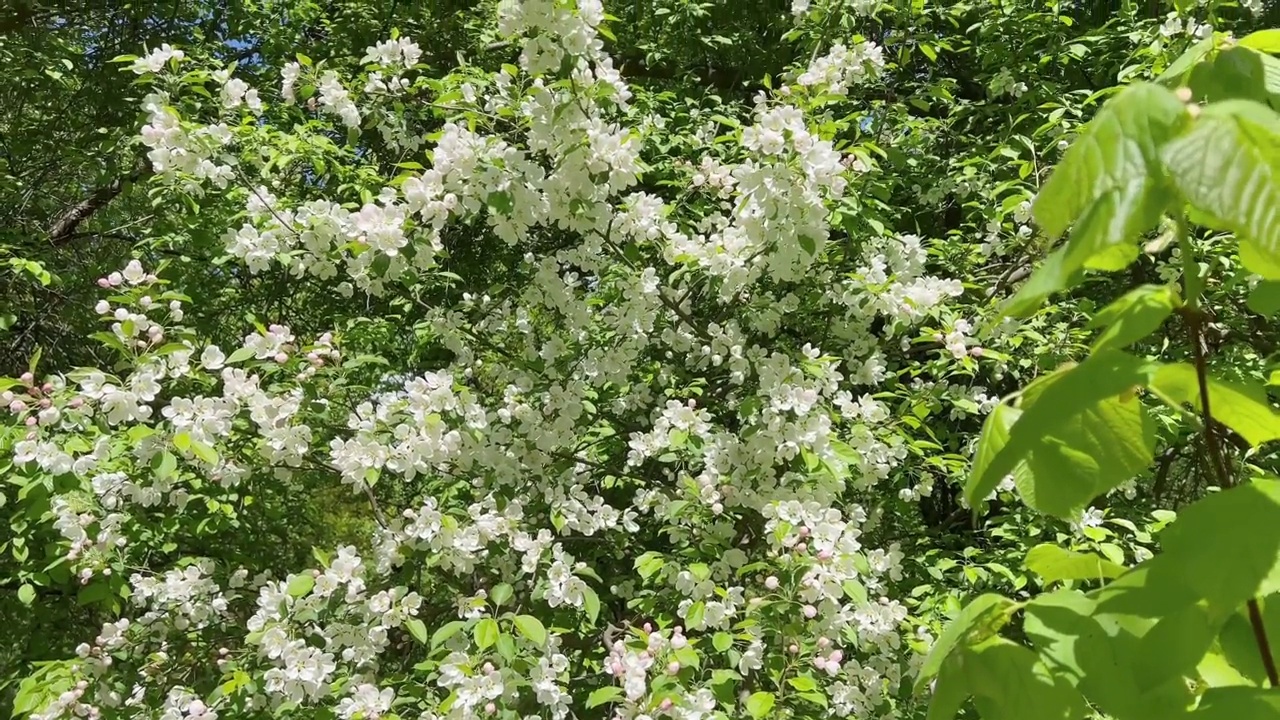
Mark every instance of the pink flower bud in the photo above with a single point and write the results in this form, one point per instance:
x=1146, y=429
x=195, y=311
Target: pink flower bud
x=648, y=627
x=104, y=283
x=490, y=708
x=282, y=357
x=820, y=662
x=487, y=668
x=771, y=582
x=825, y=555
x=665, y=705
x=76, y=402
x=824, y=642
x=27, y=378
x=31, y=420
x=673, y=667
x=793, y=648
x=804, y=531
x=617, y=668
x=835, y=657
x=810, y=611
x=17, y=406
x=976, y=351
x=801, y=548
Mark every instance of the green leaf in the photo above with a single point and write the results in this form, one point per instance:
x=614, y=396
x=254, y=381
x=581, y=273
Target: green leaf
x=1010, y=683
x=1137, y=314
x=26, y=594
x=1228, y=544
x=803, y=683
x=204, y=452
x=485, y=633
x=506, y=646
x=532, y=628
x=1054, y=564
x=500, y=594
x=591, y=604
x=759, y=704
x=1172, y=76
x=446, y=631
x=722, y=641
x=648, y=564
x=417, y=630
x=165, y=464
x=1240, y=406
x=1117, y=150
x=949, y=692
x=696, y=614
x=1267, y=41
x=1237, y=703
x=995, y=435
x=979, y=620
x=1225, y=166
x=300, y=585
x=603, y=695
x=1107, y=185
x=240, y=355
x=1074, y=415
x=1264, y=299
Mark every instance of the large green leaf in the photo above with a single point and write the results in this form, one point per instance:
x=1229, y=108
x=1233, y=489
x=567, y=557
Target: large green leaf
x=1108, y=655
x=1075, y=419
x=1264, y=299
x=1009, y=682
x=1108, y=185
x=1119, y=216
x=995, y=434
x=1227, y=546
x=1086, y=455
x=1118, y=149
x=1138, y=313
x=1053, y=564
x=980, y=619
x=1241, y=407
x=1238, y=703
x=1226, y=166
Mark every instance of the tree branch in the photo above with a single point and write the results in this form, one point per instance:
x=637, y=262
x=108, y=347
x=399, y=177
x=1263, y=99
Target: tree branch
x=64, y=228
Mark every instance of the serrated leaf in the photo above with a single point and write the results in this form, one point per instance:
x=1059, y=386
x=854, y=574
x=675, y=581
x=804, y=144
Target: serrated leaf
x=803, y=683
x=1225, y=166
x=979, y=619
x=1242, y=407
x=1075, y=412
x=532, y=628
x=1134, y=316
x=1227, y=545
x=1054, y=564
x=1116, y=150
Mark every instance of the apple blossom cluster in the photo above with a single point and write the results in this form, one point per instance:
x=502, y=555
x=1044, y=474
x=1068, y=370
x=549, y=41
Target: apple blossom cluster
x=638, y=380
x=843, y=66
